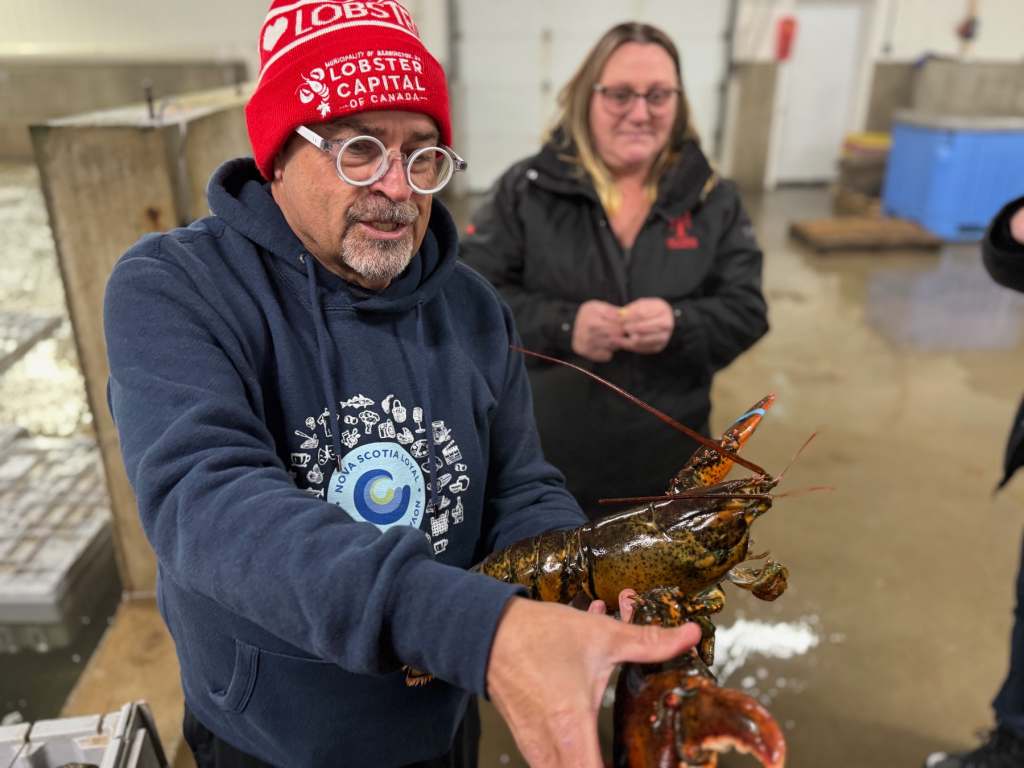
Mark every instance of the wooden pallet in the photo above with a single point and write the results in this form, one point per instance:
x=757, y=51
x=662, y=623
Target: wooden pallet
x=862, y=233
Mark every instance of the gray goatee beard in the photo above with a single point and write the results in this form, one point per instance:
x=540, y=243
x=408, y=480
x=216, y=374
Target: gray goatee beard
x=372, y=259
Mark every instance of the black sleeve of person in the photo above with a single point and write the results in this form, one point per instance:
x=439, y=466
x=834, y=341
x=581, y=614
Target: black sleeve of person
x=1004, y=260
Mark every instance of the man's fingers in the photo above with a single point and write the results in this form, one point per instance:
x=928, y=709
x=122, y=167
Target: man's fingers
x=598, y=607
x=650, y=644
x=626, y=604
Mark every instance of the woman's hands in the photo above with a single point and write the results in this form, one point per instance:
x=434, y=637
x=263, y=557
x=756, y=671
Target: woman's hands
x=597, y=331
x=648, y=325
x=643, y=326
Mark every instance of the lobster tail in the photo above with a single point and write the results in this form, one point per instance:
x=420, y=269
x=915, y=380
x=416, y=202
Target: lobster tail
x=551, y=566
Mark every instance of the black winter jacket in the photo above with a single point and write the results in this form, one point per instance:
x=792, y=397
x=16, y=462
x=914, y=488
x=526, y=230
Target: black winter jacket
x=1004, y=259
x=544, y=240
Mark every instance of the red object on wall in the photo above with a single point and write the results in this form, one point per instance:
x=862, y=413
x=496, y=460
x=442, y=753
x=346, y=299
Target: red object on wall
x=785, y=34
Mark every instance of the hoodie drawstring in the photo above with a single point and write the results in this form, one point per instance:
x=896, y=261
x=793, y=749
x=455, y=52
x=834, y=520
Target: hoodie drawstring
x=327, y=380
x=323, y=344
x=432, y=463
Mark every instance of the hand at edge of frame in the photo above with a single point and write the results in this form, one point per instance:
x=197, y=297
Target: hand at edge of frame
x=1017, y=225
x=548, y=670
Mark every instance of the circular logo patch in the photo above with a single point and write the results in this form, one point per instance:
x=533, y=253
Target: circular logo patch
x=381, y=484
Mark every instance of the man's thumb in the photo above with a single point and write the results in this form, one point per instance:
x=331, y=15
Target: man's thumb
x=650, y=644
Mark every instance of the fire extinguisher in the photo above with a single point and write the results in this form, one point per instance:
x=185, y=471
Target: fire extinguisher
x=785, y=34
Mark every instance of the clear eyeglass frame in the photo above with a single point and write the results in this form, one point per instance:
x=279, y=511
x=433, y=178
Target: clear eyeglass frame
x=450, y=162
x=658, y=99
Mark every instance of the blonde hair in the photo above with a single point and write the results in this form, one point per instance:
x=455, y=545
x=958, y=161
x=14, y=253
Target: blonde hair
x=572, y=126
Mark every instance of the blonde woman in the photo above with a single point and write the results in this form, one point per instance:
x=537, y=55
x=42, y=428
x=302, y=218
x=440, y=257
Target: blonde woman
x=618, y=247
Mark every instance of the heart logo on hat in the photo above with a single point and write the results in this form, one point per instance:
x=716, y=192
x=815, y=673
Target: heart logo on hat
x=272, y=34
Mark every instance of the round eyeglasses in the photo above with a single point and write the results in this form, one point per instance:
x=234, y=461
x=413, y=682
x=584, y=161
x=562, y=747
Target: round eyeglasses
x=364, y=160
x=618, y=99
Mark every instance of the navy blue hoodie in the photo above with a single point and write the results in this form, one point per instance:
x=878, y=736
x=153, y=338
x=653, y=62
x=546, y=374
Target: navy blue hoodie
x=316, y=466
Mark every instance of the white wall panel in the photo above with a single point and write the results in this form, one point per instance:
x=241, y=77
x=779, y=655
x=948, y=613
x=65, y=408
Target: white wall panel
x=928, y=26
x=161, y=29
x=516, y=56
x=115, y=28
x=912, y=27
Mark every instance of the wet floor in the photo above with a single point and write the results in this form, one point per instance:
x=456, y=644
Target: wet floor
x=893, y=635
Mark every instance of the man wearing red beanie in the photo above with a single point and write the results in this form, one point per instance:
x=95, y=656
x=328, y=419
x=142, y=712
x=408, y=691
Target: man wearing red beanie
x=325, y=426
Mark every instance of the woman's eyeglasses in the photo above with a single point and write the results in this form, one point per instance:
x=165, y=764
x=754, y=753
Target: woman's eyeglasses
x=618, y=99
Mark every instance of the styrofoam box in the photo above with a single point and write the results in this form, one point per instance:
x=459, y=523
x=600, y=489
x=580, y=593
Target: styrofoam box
x=123, y=739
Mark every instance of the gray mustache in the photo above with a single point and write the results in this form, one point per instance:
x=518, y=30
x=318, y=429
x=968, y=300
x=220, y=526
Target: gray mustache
x=384, y=210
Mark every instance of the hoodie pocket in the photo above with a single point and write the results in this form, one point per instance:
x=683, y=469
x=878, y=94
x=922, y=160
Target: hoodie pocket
x=304, y=711
x=243, y=679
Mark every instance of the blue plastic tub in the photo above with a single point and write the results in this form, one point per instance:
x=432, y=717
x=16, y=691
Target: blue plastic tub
x=951, y=174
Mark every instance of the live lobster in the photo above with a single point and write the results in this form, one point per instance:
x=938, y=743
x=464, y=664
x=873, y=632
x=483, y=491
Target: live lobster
x=673, y=550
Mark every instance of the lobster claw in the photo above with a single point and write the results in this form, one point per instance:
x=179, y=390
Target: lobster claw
x=707, y=467
x=675, y=715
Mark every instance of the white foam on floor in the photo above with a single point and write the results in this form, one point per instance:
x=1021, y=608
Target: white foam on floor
x=737, y=644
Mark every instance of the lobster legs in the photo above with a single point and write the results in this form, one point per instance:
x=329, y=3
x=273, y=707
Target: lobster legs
x=765, y=583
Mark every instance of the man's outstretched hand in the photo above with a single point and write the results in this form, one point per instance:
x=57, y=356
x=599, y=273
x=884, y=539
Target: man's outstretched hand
x=548, y=670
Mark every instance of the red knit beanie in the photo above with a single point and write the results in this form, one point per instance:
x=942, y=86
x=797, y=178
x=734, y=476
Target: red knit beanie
x=323, y=59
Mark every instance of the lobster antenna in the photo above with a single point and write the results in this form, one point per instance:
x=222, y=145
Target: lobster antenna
x=797, y=454
x=687, y=495
x=797, y=492
x=708, y=442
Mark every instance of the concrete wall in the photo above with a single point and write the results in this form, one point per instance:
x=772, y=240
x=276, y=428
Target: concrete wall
x=945, y=86
x=892, y=88
x=970, y=88
x=34, y=89
x=752, y=99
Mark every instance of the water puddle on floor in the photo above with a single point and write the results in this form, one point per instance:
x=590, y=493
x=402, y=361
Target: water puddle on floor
x=956, y=306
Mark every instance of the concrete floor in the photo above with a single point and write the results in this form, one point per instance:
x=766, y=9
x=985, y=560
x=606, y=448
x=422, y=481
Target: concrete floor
x=893, y=635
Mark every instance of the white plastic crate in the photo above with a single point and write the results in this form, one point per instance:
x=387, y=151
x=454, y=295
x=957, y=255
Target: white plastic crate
x=123, y=739
x=56, y=551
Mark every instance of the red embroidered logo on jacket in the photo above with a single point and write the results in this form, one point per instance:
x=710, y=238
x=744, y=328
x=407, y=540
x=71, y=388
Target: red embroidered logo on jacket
x=681, y=239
